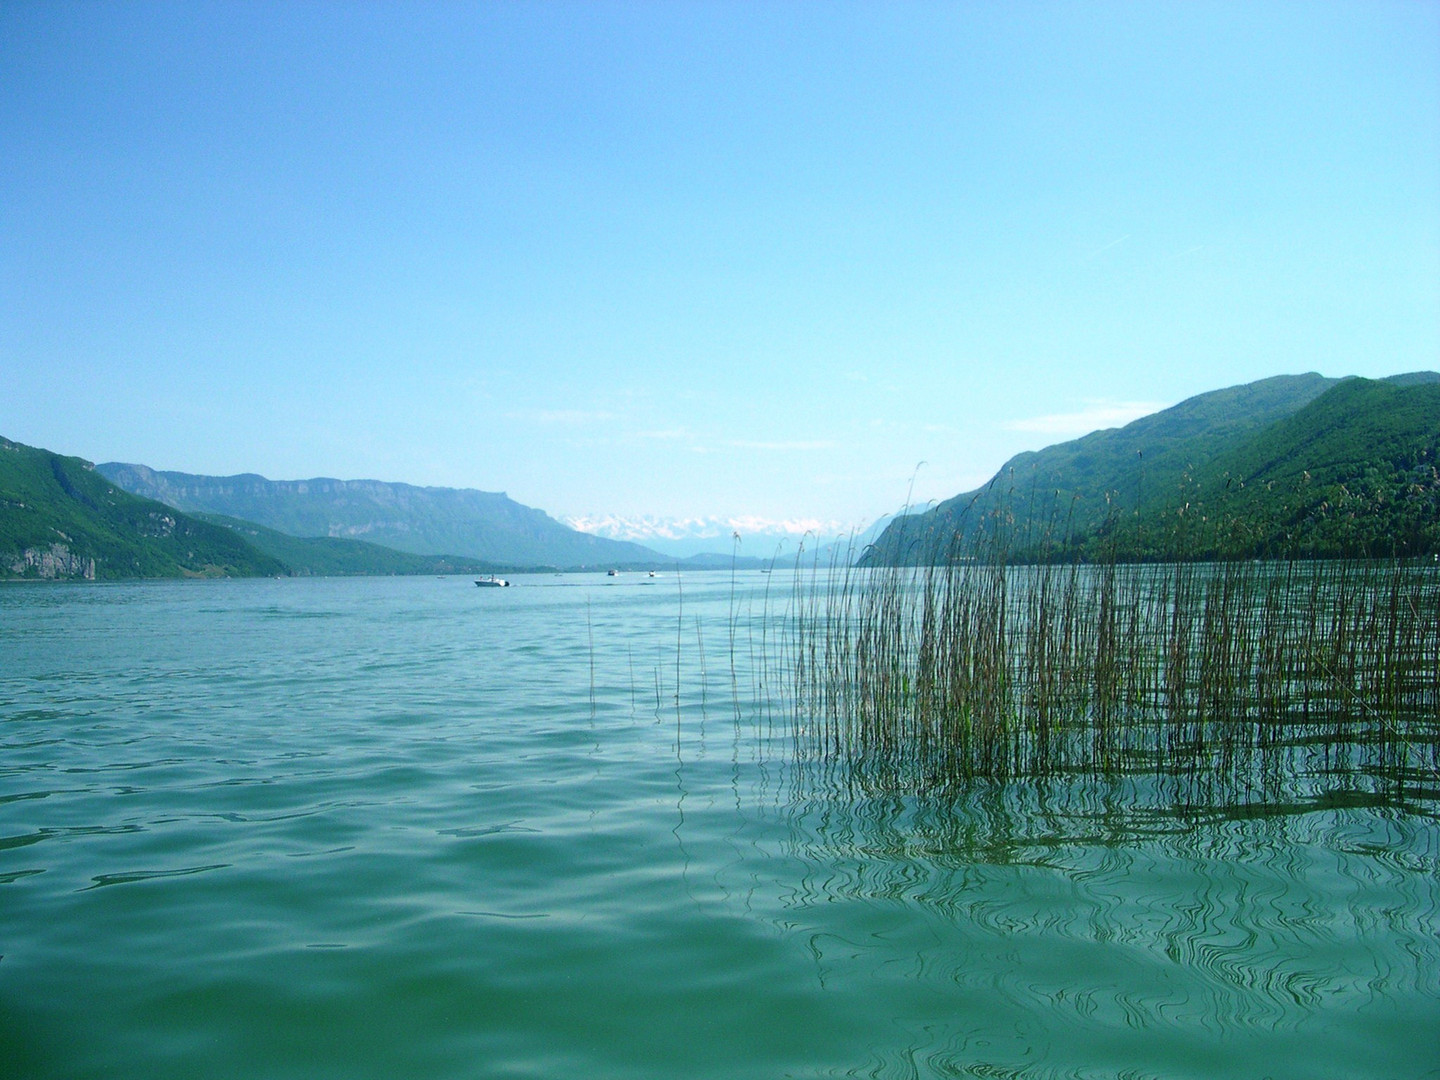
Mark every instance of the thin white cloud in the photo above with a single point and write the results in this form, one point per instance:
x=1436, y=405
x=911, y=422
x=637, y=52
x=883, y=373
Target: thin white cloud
x=563, y=417
x=1106, y=247
x=796, y=444
x=1098, y=415
x=1182, y=254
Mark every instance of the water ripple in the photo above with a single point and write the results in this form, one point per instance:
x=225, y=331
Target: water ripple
x=440, y=858
x=103, y=880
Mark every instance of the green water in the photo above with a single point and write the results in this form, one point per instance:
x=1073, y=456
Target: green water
x=411, y=828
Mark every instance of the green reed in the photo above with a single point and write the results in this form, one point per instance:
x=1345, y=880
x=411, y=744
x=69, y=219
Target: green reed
x=929, y=676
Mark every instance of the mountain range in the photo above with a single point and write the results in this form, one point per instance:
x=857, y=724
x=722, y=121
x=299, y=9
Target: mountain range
x=1297, y=465
x=59, y=518
x=420, y=520
x=682, y=537
x=62, y=517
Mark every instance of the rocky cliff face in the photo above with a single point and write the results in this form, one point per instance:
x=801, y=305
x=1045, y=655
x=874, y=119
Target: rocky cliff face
x=56, y=561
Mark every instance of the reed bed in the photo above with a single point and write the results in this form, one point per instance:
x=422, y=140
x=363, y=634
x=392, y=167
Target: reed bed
x=916, y=678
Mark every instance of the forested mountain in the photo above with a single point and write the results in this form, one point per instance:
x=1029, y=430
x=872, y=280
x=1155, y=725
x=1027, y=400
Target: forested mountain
x=1220, y=473
x=59, y=518
x=333, y=556
x=1352, y=473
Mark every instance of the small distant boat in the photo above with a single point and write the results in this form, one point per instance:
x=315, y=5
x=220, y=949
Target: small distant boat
x=490, y=581
x=612, y=573
x=652, y=573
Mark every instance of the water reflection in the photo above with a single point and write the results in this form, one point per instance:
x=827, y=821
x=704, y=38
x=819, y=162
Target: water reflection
x=1110, y=913
x=1268, y=910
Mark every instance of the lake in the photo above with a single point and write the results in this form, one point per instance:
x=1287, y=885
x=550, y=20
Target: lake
x=405, y=827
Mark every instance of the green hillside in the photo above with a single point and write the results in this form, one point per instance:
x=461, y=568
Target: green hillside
x=1352, y=473
x=59, y=518
x=334, y=556
x=1124, y=492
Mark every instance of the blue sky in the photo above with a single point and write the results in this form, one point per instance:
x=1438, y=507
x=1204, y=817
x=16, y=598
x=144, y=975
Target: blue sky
x=685, y=260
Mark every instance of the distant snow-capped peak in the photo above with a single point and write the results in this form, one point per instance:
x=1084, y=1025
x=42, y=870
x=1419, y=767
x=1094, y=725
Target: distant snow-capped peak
x=649, y=528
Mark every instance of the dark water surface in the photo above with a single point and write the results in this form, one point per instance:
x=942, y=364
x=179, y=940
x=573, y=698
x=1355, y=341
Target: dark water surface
x=411, y=828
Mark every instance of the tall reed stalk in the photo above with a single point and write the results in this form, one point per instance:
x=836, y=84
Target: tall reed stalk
x=918, y=677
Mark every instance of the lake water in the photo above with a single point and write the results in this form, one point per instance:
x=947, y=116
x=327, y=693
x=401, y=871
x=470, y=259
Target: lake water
x=405, y=827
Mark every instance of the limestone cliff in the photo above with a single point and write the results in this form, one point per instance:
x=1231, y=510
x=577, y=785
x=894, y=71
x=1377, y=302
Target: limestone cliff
x=56, y=561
